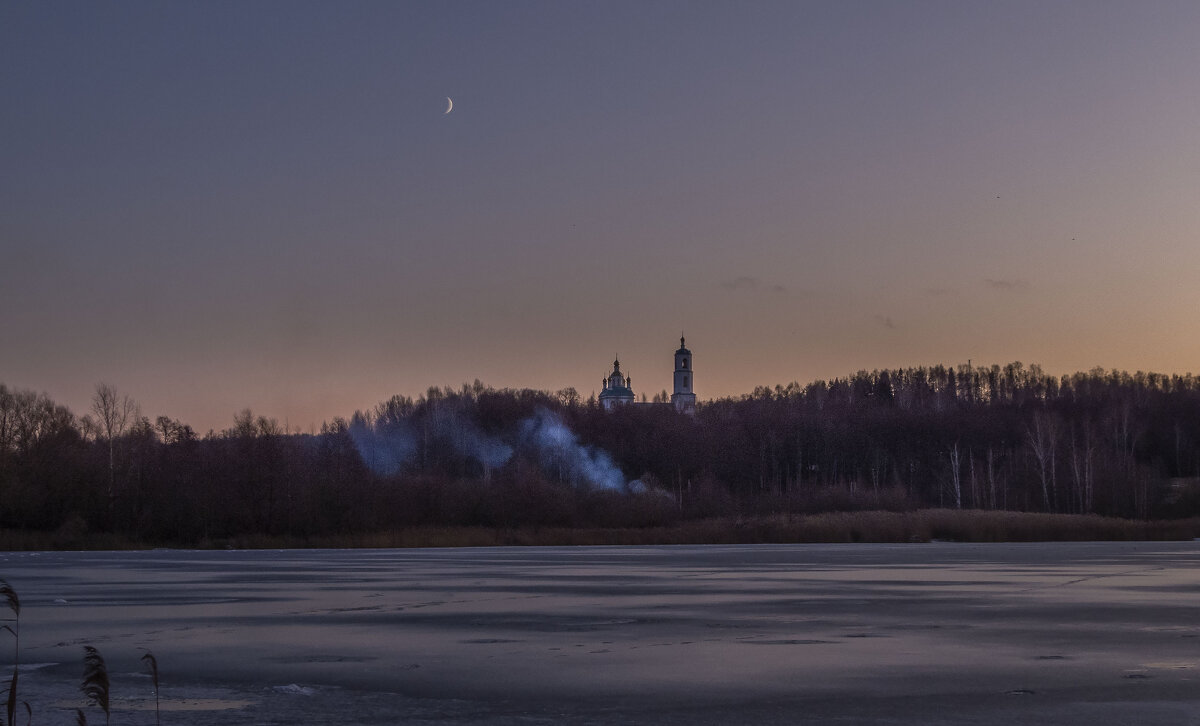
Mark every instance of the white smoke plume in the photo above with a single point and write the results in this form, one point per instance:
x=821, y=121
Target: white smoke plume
x=558, y=449
x=385, y=452
x=488, y=450
x=388, y=450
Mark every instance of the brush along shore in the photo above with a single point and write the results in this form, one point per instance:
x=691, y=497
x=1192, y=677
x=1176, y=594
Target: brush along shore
x=832, y=527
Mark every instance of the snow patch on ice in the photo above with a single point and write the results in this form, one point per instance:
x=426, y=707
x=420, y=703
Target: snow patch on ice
x=293, y=689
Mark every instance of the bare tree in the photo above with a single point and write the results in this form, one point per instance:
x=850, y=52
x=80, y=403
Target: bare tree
x=974, y=481
x=956, y=475
x=88, y=429
x=114, y=414
x=1083, y=468
x=991, y=477
x=268, y=426
x=8, y=417
x=1043, y=442
x=27, y=418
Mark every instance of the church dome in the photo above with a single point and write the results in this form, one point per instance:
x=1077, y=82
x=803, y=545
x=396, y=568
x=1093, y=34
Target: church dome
x=617, y=392
x=616, y=387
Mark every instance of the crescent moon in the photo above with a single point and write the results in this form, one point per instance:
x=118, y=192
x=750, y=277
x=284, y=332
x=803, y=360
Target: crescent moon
x=449, y=106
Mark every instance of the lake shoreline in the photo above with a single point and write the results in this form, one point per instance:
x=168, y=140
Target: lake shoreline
x=885, y=527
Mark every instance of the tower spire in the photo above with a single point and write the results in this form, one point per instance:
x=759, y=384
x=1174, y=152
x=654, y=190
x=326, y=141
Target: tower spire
x=684, y=397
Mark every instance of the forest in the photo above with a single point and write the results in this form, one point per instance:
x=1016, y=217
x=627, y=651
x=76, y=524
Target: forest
x=1008, y=438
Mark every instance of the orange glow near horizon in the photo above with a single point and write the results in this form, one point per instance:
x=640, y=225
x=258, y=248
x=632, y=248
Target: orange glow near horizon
x=259, y=209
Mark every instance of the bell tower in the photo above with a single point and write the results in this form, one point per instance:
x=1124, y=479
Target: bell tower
x=684, y=399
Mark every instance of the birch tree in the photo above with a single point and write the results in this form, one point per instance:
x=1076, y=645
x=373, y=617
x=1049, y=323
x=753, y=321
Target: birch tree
x=114, y=413
x=956, y=475
x=1042, y=437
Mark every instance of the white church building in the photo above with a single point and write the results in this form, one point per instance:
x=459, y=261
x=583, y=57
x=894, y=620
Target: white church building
x=618, y=387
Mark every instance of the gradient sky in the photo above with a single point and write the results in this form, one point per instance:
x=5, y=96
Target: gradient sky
x=219, y=205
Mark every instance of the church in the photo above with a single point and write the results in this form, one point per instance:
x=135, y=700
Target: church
x=618, y=387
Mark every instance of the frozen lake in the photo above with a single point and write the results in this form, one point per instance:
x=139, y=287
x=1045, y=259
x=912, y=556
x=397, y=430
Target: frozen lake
x=795, y=634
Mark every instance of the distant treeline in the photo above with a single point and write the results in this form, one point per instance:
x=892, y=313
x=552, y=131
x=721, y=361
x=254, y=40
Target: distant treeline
x=996, y=438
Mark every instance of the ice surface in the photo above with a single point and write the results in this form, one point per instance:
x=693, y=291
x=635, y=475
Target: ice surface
x=871, y=634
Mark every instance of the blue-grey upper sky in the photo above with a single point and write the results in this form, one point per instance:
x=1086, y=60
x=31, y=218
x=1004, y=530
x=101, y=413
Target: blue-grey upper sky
x=226, y=204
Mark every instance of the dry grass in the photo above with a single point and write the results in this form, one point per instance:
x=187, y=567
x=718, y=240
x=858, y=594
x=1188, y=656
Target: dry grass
x=866, y=526
x=871, y=526
x=12, y=540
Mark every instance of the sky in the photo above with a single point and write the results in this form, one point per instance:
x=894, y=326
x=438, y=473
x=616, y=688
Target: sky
x=225, y=205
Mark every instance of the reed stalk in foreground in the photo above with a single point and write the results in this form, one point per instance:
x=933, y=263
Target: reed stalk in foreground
x=152, y=666
x=8, y=596
x=95, y=681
